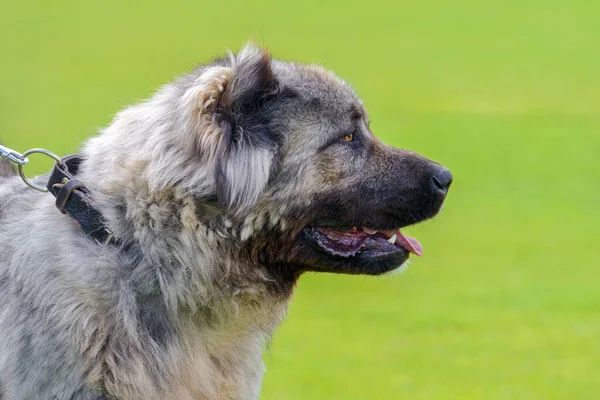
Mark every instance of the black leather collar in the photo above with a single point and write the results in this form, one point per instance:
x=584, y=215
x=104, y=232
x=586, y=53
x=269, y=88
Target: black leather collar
x=73, y=199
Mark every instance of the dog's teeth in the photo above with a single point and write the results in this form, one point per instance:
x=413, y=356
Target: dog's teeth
x=392, y=240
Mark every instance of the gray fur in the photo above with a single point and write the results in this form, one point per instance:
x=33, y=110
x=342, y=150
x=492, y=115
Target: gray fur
x=6, y=168
x=207, y=184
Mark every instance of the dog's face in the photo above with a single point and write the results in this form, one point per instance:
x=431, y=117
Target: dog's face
x=354, y=191
x=296, y=164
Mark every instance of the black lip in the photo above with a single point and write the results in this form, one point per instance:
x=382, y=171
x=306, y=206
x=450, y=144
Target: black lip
x=373, y=245
x=375, y=258
x=370, y=260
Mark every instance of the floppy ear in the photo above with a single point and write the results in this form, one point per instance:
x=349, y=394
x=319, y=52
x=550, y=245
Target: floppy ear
x=247, y=145
x=230, y=105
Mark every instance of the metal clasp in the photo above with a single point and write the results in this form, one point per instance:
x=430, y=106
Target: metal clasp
x=13, y=155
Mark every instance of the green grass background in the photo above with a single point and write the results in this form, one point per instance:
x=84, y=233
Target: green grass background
x=505, y=304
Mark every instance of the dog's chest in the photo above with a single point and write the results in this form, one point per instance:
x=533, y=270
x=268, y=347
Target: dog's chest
x=226, y=362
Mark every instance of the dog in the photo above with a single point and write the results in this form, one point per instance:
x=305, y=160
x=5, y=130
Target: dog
x=222, y=189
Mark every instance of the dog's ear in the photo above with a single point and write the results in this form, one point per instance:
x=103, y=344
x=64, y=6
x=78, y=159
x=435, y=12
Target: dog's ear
x=251, y=81
x=247, y=147
x=230, y=102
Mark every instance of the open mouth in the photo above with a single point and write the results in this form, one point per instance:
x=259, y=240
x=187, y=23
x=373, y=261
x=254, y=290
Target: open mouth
x=361, y=242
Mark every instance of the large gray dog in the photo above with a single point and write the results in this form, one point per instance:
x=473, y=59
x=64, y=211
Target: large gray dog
x=222, y=189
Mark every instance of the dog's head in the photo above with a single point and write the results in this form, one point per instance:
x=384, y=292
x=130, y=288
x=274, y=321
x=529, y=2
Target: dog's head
x=296, y=164
x=280, y=156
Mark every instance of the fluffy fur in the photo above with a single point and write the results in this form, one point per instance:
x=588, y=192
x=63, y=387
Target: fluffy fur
x=208, y=185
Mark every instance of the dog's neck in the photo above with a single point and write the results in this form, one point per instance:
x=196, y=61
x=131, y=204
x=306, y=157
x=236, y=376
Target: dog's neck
x=176, y=233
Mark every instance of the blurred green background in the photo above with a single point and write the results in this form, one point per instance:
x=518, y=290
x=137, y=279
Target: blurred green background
x=505, y=304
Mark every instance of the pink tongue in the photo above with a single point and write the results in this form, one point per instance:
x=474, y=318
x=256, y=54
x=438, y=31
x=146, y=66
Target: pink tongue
x=406, y=242
x=410, y=244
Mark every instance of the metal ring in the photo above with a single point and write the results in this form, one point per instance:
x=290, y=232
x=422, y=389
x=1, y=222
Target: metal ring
x=25, y=178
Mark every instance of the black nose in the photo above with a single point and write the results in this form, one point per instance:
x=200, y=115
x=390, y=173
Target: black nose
x=442, y=180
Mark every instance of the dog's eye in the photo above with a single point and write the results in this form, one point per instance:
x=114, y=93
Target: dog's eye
x=349, y=137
